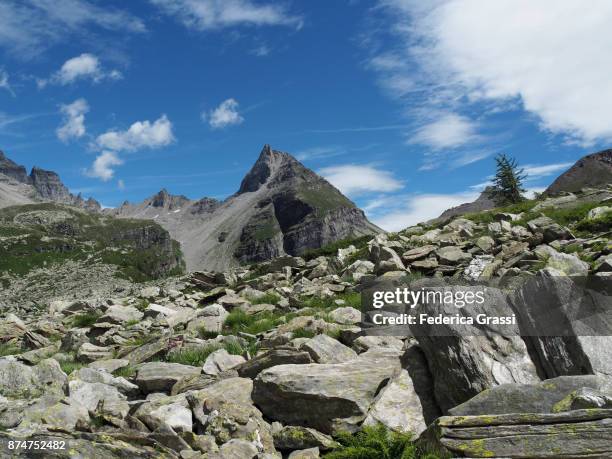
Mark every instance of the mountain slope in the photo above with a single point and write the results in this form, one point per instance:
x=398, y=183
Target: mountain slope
x=17, y=187
x=280, y=208
x=590, y=171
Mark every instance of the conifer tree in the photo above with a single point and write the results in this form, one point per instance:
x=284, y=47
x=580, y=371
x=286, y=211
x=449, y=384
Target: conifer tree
x=508, y=182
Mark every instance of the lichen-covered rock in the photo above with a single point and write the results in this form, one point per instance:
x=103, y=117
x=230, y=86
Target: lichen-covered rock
x=161, y=376
x=324, y=349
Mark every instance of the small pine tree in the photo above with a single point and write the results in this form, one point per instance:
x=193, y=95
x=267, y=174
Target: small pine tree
x=508, y=183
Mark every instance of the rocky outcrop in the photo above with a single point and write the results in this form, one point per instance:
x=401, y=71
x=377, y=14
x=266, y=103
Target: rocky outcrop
x=40, y=185
x=593, y=170
x=483, y=202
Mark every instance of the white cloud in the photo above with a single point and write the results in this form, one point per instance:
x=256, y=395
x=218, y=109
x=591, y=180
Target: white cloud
x=85, y=66
x=103, y=166
x=448, y=131
x=4, y=82
x=27, y=27
x=216, y=14
x=404, y=211
x=141, y=134
x=535, y=171
x=551, y=55
x=74, y=120
x=354, y=179
x=226, y=114
x=320, y=152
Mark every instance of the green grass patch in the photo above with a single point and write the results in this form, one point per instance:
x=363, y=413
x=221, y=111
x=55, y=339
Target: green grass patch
x=240, y=321
x=303, y=333
x=266, y=298
x=125, y=372
x=332, y=249
x=596, y=225
x=196, y=356
x=69, y=366
x=377, y=442
x=86, y=319
x=9, y=349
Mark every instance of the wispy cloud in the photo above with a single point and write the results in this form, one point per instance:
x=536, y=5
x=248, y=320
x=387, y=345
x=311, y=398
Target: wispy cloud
x=355, y=180
x=216, y=14
x=4, y=82
x=320, y=152
x=535, y=171
x=226, y=114
x=439, y=54
x=73, y=126
x=27, y=27
x=449, y=130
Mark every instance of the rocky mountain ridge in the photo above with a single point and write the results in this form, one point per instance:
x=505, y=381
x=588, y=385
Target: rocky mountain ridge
x=281, y=208
x=17, y=187
x=277, y=359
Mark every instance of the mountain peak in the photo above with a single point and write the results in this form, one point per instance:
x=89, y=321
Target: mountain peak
x=261, y=170
x=589, y=171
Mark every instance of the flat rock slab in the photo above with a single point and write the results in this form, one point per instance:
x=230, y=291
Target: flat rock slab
x=571, y=434
x=161, y=376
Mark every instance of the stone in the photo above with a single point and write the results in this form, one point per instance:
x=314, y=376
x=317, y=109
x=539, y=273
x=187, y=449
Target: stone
x=150, y=293
x=343, y=255
x=325, y=349
x=221, y=360
x=567, y=263
x=365, y=343
x=418, y=253
x=385, y=259
x=346, y=316
x=584, y=399
x=424, y=265
x=56, y=412
x=568, y=327
x=539, y=397
x=271, y=358
x=598, y=212
x=466, y=359
x=175, y=415
x=98, y=397
x=575, y=434
x=298, y=437
x=477, y=266
x=238, y=449
x=326, y=397
x=310, y=453
x=485, y=243
x=120, y=315
x=452, y=255
x=92, y=375
x=147, y=351
x=21, y=381
x=358, y=269
x=161, y=376
x=398, y=407
x=157, y=310
x=109, y=365
x=90, y=352
x=211, y=319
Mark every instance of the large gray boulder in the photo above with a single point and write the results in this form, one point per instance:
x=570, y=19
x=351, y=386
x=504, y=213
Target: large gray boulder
x=272, y=358
x=465, y=359
x=326, y=397
x=568, y=327
x=220, y=361
x=21, y=381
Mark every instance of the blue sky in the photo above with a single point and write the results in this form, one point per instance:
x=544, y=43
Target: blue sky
x=402, y=106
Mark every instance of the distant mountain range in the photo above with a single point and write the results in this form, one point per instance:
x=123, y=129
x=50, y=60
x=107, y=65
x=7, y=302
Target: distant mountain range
x=281, y=208
x=17, y=187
